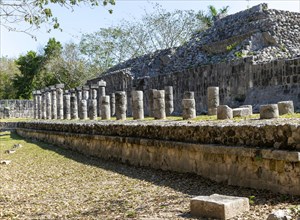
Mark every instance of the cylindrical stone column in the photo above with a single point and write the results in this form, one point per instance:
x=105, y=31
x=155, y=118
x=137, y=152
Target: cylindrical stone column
x=169, y=102
x=137, y=104
x=83, y=109
x=67, y=105
x=54, y=102
x=48, y=103
x=92, y=102
x=159, y=104
x=101, y=92
x=121, y=105
x=39, y=103
x=60, y=100
x=79, y=98
x=105, y=107
x=74, y=106
x=35, y=105
x=213, y=100
x=44, y=105
x=269, y=111
x=112, y=104
x=286, y=107
x=151, y=102
x=85, y=92
x=188, y=106
x=224, y=112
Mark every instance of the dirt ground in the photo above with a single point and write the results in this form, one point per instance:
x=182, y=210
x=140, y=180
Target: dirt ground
x=48, y=182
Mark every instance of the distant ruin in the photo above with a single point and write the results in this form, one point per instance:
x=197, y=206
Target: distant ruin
x=253, y=56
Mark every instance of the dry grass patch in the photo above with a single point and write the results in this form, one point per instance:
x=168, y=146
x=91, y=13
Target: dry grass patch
x=47, y=182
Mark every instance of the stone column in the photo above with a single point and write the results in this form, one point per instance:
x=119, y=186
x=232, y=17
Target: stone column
x=39, y=103
x=83, y=109
x=85, y=92
x=112, y=104
x=79, y=98
x=105, y=107
x=67, y=105
x=188, y=106
x=151, y=102
x=43, y=96
x=169, y=102
x=101, y=92
x=213, y=100
x=48, y=103
x=54, y=102
x=159, y=104
x=60, y=101
x=74, y=107
x=35, y=105
x=92, y=105
x=121, y=102
x=137, y=104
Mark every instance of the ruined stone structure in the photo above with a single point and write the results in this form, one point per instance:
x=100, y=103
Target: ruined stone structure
x=17, y=108
x=252, y=56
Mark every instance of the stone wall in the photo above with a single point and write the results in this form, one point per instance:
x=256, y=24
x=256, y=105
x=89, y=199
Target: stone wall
x=187, y=148
x=16, y=109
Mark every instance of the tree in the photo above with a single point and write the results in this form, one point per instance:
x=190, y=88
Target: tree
x=156, y=30
x=37, y=12
x=209, y=17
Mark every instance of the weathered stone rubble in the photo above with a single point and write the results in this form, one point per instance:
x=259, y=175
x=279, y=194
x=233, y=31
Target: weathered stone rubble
x=259, y=33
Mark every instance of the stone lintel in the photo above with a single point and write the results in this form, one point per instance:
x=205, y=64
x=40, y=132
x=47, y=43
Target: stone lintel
x=101, y=83
x=85, y=88
x=79, y=88
x=52, y=87
x=219, y=206
x=59, y=86
x=94, y=86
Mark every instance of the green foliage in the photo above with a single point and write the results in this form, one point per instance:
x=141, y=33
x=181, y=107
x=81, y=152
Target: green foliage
x=251, y=200
x=208, y=18
x=239, y=54
x=231, y=46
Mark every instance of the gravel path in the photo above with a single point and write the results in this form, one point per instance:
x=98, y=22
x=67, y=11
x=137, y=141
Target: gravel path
x=47, y=182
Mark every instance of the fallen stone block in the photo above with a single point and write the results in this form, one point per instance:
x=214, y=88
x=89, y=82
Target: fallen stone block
x=279, y=215
x=248, y=106
x=286, y=107
x=224, y=112
x=241, y=112
x=219, y=206
x=269, y=111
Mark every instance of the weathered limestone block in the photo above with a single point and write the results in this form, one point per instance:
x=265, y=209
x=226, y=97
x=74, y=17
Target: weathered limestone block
x=279, y=215
x=60, y=101
x=219, y=206
x=101, y=92
x=6, y=112
x=151, y=102
x=93, y=91
x=224, y=112
x=67, y=105
x=213, y=100
x=241, y=112
x=48, y=103
x=105, y=107
x=83, y=109
x=35, y=105
x=39, y=103
x=137, y=105
x=79, y=98
x=159, y=104
x=269, y=111
x=85, y=92
x=248, y=106
x=121, y=105
x=74, y=105
x=188, y=106
x=54, y=102
x=286, y=107
x=112, y=104
x=169, y=100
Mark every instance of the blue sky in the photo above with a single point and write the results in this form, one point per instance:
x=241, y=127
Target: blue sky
x=86, y=20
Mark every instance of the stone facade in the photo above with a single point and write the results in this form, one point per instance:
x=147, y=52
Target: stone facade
x=16, y=109
x=252, y=56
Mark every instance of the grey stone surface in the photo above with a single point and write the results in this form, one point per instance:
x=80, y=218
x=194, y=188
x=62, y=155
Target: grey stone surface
x=219, y=206
x=112, y=104
x=54, y=102
x=101, y=92
x=241, y=112
x=85, y=92
x=92, y=109
x=105, y=107
x=169, y=100
x=67, y=105
x=44, y=104
x=60, y=101
x=48, y=103
x=188, y=106
x=121, y=105
x=224, y=112
x=269, y=111
x=188, y=95
x=137, y=105
x=279, y=215
x=286, y=107
x=159, y=104
x=247, y=106
x=213, y=100
x=74, y=105
x=83, y=110
x=151, y=102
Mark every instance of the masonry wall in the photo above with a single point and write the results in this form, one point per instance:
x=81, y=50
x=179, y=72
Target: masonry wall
x=261, y=168
x=240, y=82
x=16, y=108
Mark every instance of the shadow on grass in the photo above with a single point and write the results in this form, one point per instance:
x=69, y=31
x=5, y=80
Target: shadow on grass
x=187, y=183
